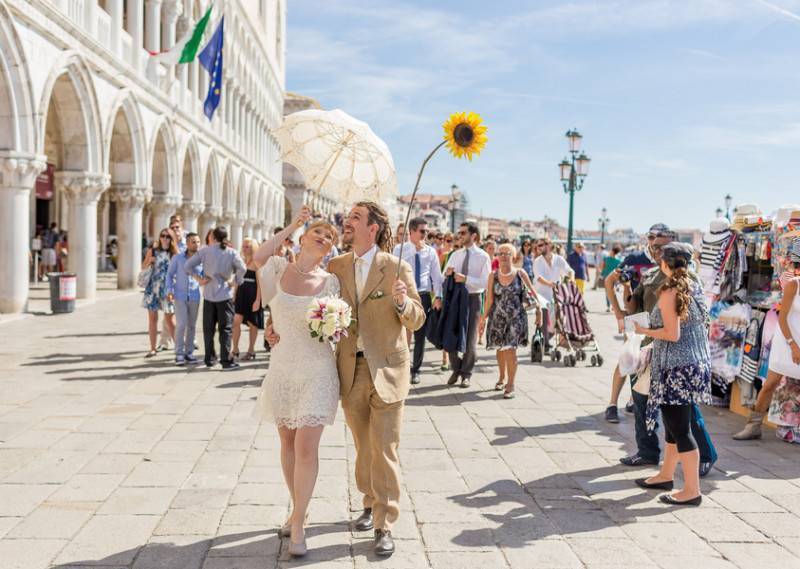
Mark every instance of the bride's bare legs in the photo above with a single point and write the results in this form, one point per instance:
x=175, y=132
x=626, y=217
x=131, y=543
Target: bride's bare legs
x=287, y=458
x=306, y=467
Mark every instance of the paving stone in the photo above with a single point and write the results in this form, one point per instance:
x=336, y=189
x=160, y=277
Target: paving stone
x=716, y=525
x=112, y=464
x=585, y=523
x=109, y=540
x=661, y=539
x=189, y=521
x=54, y=521
x=140, y=501
x=88, y=487
x=173, y=552
x=740, y=502
x=774, y=525
x=456, y=537
x=754, y=555
x=551, y=553
x=245, y=541
x=159, y=474
x=22, y=499
x=29, y=553
x=467, y=559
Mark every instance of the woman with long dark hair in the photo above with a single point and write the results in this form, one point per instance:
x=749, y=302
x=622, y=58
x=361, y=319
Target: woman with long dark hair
x=680, y=373
x=155, y=291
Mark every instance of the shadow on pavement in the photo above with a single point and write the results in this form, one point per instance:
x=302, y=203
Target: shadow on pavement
x=238, y=384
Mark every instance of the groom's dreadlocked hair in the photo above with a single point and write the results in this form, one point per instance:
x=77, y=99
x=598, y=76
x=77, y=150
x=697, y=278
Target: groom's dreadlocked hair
x=377, y=215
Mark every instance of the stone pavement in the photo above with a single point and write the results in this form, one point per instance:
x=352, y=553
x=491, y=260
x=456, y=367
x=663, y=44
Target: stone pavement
x=108, y=459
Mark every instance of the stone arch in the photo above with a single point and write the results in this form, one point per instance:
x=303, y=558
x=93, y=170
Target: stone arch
x=191, y=174
x=69, y=106
x=126, y=153
x=17, y=105
x=213, y=189
x=164, y=160
x=228, y=189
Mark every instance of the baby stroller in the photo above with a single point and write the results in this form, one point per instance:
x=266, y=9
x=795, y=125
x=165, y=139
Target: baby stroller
x=573, y=336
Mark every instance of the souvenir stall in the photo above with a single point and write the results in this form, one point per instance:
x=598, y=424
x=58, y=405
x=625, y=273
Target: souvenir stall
x=742, y=266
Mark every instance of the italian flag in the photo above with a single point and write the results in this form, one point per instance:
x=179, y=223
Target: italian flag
x=185, y=50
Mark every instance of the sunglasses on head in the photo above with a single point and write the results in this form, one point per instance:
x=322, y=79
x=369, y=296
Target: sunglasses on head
x=166, y=236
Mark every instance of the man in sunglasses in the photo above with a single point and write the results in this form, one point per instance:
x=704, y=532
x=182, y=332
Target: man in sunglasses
x=427, y=276
x=643, y=297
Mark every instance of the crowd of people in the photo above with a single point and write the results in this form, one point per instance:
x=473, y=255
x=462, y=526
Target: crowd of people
x=455, y=291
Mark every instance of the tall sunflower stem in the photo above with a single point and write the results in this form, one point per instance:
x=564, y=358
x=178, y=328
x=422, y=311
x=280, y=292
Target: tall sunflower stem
x=413, y=197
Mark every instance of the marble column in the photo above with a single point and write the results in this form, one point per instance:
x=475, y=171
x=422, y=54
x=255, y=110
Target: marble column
x=170, y=12
x=103, y=223
x=82, y=190
x=182, y=28
x=152, y=28
x=258, y=232
x=115, y=9
x=130, y=201
x=135, y=21
x=247, y=229
x=207, y=221
x=18, y=173
x=234, y=222
x=163, y=206
x=191, y=211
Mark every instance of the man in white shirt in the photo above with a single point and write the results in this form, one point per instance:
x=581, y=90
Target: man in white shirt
x=549, y=270
x=471, y=266
x=424, y=263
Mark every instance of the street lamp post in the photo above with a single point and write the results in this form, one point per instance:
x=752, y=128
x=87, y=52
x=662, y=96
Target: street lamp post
x=603, y=222
x=728, y=202
x=573, y=174
x=455, y=197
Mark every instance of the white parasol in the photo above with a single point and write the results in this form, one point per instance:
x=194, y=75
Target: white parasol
x=334, y=151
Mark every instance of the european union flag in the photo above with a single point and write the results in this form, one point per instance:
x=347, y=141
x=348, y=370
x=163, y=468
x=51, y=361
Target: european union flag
x=211, y=59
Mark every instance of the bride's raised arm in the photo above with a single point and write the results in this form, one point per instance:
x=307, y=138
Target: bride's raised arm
x=270, y=247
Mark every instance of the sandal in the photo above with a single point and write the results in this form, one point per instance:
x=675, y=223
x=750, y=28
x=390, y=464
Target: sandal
x=499, y=385
x=509, y=395
x=249, y=356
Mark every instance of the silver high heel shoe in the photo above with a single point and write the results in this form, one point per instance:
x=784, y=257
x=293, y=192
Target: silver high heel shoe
x=298, y=549
x=286, y=529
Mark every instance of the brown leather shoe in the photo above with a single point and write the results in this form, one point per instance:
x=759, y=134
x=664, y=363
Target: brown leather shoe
x=384, y=544
x=453, y=378
x=364, y=521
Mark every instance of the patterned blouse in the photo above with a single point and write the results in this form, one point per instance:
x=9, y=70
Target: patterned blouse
x=680, y=372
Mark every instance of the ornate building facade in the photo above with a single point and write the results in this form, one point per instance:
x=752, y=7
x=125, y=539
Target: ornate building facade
x=118, y=143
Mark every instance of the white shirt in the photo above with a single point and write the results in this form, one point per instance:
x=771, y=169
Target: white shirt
x=361, y=266
x=552, y=272
x=430, y=274
x=478, y=270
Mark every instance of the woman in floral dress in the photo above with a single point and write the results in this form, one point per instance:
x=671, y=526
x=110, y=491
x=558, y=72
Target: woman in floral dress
x=155, y=291
x=680, y=373
x=507, y=320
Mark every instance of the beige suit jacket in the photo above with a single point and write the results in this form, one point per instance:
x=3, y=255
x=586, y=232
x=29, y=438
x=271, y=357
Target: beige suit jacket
x=380, y=325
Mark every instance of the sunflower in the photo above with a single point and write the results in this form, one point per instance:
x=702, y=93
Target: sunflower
x=465, y=134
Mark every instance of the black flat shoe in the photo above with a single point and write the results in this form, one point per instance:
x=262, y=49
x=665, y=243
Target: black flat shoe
x=669, y=500
x=384, y=544
x=642, y=483
x=364, y=521
x=453, y=378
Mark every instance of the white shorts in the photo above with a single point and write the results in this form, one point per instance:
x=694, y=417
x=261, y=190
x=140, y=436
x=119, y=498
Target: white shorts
x=49, y=257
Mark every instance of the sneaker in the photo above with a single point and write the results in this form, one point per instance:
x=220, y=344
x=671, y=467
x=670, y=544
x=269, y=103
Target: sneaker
x=629, y=407
x=180, y=361
x=191, y=360
x=464, y=382
x=611, y=414
x=230, y=366
x=415, y=378
x=705, y=468
x=636, y=460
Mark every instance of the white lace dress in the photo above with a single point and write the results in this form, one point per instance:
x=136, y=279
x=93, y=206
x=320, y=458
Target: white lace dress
x=301, y=386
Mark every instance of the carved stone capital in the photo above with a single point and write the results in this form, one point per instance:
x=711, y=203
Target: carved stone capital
x=171, y=10
x=131, y=196
x=193, y=209
x=82, y=188
x=19, y=170
x=165, y=203
x=213, y=211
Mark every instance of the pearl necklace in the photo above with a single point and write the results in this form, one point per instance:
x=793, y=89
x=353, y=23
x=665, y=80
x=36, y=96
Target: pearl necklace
x=302, y=272
x=502, y=274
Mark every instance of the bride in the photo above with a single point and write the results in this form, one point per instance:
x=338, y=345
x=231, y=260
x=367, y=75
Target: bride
x=300, y=391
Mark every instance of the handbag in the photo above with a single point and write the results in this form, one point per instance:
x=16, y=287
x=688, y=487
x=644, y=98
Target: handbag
x=144, y=277
x=642, y=383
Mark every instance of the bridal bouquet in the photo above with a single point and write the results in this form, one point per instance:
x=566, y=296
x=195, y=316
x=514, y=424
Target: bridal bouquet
x=329, y=318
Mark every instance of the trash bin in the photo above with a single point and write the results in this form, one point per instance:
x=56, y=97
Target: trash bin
x=63, y=288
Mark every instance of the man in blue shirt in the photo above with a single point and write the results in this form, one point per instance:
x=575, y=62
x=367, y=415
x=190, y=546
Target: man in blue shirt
x=577, y=262
x=184, y=290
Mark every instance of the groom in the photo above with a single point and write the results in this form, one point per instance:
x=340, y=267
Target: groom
x=374, y=362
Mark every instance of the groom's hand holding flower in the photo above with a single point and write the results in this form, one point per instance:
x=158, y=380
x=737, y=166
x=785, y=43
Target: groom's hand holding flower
x=399, y=293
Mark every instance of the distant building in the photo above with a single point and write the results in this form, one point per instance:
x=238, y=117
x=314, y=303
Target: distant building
x=443, y=212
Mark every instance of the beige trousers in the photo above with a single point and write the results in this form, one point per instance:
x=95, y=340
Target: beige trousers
x=376, y=432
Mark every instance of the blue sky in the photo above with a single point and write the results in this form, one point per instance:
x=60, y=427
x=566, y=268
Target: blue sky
x=679, y=102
